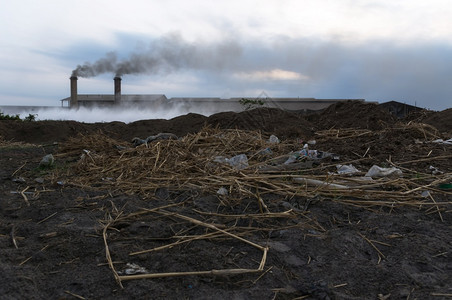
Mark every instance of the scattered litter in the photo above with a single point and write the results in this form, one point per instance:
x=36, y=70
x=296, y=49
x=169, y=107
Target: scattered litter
x=425, y=194
x=121, y=148
x=16, y=192
x=84, y=154
x=441, y=141
x=320, y=183
x=311, y=142
x=376, y=171
x=445, y=186
x=19, y=180
x=239, y=161
x=137, y=141
x=346, y=169
x=265, y=152
x=273, y=139
x=435, y=171
x=222, y=191
x=39, y=180
x=305, y=153
x=161, y=136
x=47, y=161
x=133, y=269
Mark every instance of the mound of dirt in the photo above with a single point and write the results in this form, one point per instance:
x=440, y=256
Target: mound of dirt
x=284, y=124
x=441, y=120
x=353, y=114
x=43, y=131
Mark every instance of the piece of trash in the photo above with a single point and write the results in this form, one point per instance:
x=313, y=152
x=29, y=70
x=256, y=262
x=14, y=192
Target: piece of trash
x=47, y=161
x=273, y=139
x=19, y=180
x=311, y=142
x=133, y=269
x=222, y=191
x=441, y=141
x=425, y=194
x=346, y=169
x=60, y=182
x=376, y=171
x=120, y=148
x=322, y=184
x=16, y=192
x=239, y=161
x=137, y=141
x=305, y=153
x=265, y=152
x=434, y=170
x=291, y=159
x=220, y=159
x=161, y=136
x=39, y=180
x=445, y=186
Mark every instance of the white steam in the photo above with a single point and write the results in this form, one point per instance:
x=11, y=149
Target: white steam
x=95, y=115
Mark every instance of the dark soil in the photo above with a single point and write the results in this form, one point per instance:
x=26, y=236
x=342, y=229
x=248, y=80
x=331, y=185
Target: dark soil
x=52, y=244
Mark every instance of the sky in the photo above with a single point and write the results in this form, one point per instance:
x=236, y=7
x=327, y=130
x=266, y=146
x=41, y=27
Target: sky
x=358, y=49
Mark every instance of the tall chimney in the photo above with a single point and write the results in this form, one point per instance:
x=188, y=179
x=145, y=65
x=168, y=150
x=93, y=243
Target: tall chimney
x=73, y=102
x=117, y=80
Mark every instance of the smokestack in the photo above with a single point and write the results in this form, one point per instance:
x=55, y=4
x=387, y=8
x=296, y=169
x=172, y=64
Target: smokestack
x=117, y=80
x=73, y=102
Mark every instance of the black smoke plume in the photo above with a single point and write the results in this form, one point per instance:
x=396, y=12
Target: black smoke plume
x=165, y=55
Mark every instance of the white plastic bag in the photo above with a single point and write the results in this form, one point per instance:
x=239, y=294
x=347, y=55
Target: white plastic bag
x=346, y=169
x=376, y=171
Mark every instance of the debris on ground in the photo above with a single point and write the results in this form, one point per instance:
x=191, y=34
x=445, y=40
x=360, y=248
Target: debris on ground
x=110, y=220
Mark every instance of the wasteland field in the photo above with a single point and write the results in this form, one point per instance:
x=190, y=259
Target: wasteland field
x=262, y=204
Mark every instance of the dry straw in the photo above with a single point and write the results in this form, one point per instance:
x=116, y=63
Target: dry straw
x=197, y=161
x=191, y=163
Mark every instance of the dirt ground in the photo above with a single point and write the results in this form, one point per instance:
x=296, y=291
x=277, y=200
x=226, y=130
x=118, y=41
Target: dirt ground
x=60, y=235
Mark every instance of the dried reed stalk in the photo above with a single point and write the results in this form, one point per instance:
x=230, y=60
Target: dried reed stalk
x=189, y=163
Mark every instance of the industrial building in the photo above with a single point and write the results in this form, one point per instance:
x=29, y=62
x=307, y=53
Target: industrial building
x=150, y=101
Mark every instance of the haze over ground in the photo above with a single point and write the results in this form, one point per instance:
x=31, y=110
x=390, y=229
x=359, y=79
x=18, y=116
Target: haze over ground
x=376, y=50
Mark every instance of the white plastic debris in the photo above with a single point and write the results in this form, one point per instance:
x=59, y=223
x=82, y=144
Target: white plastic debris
x=319, y=183
x=134, y=269
x=222, y=191
x=435, y=170
x=273, y=139
x=376, y=171
x=239, y=161
x=47, y=161
x=425, y=194
x=265, y=152
x=441, y=141
x=306, y=153
x=346, y=169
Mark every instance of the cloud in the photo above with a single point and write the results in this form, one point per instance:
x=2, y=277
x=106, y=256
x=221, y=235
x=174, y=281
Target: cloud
x=282, y=66
x=274, y=74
